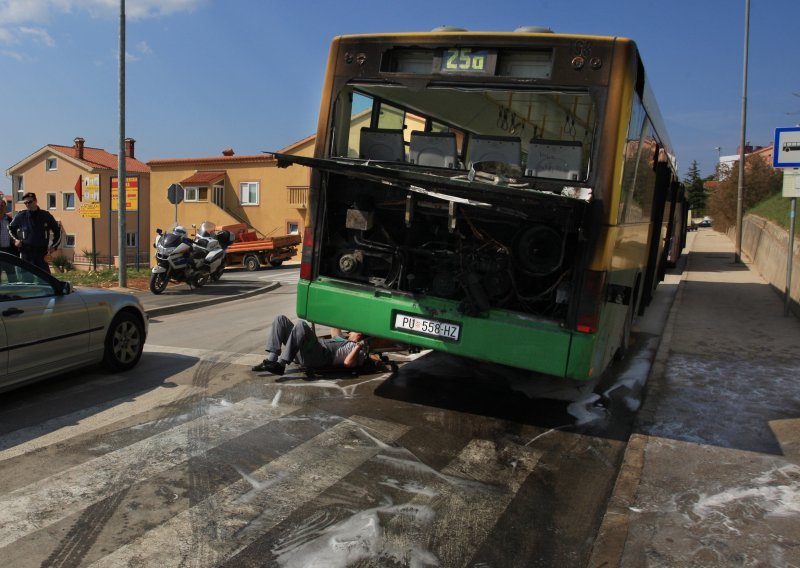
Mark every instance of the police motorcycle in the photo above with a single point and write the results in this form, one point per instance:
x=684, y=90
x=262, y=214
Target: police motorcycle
x=214, y=243
x=181, y=259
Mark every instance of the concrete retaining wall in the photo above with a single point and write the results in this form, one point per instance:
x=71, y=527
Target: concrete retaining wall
x=766, y=244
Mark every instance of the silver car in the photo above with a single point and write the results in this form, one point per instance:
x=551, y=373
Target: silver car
x=47, y=327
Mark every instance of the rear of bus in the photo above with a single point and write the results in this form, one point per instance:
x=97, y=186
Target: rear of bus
x=462, y=195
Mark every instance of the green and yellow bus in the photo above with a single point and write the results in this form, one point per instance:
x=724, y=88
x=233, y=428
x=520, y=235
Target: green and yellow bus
x=509, y=197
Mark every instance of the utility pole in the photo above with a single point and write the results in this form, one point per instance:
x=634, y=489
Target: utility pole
x=121, y=169
x=740, y=193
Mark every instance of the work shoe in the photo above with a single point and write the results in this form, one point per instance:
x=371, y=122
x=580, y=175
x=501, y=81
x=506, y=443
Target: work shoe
x=274, y=367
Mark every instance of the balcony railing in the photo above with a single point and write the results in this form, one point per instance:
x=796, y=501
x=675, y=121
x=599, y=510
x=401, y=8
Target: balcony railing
x=297, y=196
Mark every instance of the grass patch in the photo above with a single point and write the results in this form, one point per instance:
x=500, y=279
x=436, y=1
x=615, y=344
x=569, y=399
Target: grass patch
x=102, y=278
x=776, y=209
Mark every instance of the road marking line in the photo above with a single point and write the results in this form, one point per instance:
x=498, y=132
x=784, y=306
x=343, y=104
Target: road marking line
x=49, y=500
x=75, y=424
x=248, y=359
x=227, y=522
x=470, y=493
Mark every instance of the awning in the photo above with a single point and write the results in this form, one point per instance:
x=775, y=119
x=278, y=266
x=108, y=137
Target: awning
x=204, y=178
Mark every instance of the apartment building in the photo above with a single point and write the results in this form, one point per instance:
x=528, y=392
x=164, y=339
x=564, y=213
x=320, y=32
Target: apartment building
x=231, y=189
x=76, y=183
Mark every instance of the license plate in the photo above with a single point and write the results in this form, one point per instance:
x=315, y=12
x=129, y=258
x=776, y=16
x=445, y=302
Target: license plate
x=426, y=326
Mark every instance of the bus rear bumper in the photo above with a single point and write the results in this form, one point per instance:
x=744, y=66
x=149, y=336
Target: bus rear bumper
x=502, y=337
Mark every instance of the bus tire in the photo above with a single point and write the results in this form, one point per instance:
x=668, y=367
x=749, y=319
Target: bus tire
x=625, y=340
x=251, y=263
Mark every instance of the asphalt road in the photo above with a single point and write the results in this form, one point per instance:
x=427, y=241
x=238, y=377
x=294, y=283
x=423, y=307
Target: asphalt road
x=192, y=459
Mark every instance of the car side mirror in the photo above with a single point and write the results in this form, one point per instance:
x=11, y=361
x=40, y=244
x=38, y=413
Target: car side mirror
x=66, y=288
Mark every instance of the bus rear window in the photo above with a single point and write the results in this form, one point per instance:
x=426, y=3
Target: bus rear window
x=539, y=133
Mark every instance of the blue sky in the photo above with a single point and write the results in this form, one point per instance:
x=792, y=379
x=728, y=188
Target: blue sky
x=204, y=75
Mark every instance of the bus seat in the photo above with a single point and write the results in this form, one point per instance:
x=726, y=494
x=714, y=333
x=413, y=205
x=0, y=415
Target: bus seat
x=382, y=144
x=505, y=149
x=559, y=159
x=436, y=149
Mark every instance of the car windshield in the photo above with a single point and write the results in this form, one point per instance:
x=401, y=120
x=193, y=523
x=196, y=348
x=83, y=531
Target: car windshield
x=523, y=133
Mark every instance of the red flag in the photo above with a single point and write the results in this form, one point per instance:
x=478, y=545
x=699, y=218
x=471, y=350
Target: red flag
x=79, y=188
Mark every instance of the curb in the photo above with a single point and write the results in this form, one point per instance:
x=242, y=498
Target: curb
x=177, y=308
x=609, y=545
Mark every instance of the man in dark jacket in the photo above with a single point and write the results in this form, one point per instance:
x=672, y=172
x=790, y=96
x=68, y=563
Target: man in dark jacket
x=6, y=242
x=35, y=232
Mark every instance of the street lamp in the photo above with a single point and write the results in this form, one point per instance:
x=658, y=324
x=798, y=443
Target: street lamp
x=719, y=159
x=740, y=193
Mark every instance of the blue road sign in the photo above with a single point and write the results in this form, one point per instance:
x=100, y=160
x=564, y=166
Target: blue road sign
x=786, y=150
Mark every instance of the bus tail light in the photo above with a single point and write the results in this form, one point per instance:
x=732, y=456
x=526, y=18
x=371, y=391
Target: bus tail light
x=307, y=255
x=591, y=300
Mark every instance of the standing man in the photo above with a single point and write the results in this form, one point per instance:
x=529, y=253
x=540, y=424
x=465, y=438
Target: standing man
x=32, y=230
x=6, y=242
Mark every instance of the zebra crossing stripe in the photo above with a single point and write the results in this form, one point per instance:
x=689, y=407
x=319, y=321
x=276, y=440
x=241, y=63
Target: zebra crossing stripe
x=476, y=512
x=49, y=500
x=450, y=515
x=86, y=420
x=233, y=518
x=247, y=359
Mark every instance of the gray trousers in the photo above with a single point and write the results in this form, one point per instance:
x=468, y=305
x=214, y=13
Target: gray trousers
x=287, y=341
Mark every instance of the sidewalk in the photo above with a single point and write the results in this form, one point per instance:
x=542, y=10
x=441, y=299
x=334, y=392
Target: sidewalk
x=711, y=475
x=179, y=297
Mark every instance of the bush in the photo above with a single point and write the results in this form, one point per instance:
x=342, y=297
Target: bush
x=61, y=263
x=761, y=181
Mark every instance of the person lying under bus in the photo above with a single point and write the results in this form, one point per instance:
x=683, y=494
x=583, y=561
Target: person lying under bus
x=288, y=342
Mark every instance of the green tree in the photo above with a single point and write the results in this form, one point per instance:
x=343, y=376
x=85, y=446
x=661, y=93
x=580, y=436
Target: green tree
x=761, y=181
x=695, y=190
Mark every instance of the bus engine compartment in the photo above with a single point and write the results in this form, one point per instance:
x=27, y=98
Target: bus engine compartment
x=514, y=253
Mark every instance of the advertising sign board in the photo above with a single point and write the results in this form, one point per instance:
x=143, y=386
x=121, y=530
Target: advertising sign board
x=131, y=194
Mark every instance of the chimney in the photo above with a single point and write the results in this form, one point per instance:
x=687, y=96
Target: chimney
x=79, y=147
x=227, y=152
x=129, y=142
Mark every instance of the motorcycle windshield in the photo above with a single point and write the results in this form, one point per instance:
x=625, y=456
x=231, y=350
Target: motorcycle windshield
x=171, y=240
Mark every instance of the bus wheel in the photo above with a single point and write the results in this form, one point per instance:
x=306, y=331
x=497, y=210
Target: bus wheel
x=251, y=262
x=625, y=340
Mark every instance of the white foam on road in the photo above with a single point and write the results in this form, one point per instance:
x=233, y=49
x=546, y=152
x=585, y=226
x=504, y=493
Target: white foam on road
x=50, y=500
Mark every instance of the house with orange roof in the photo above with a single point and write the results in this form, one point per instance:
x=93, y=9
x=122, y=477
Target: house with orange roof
x=75, y=184
x=233, y=189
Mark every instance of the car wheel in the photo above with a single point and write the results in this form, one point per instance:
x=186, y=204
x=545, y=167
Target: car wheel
x=124, y=342
x=251, y=262
x=158, y=282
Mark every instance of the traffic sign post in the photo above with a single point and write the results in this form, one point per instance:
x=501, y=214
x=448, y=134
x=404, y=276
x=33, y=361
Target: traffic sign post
x=175, y=195
x=786, y=155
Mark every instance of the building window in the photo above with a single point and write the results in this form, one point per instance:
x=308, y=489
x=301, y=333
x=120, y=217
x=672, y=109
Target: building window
x=219, y=196
x=292, y=228
x=69, y=201
x=69, y=241
x=248, y=192
x=131, y=240
x=196, y=193
x=51, y=164
x=51, y=201
x=19, y=187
